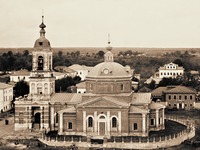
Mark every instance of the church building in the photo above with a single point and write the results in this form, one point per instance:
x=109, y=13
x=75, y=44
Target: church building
x=108, y=108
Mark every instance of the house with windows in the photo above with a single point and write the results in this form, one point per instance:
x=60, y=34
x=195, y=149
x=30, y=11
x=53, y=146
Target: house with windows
x=6, y=97
x=170, y=70
x=176, y=97
x=108, y=107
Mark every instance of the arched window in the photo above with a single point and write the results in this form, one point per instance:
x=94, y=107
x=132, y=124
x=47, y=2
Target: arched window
x=90, y=122
x=114, y=122
x=69, y=125
x=40, y=63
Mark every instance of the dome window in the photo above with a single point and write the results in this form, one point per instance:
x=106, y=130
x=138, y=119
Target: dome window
x=40, y=43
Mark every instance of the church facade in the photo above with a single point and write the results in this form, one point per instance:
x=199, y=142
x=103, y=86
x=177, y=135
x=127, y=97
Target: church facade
x=108, y=108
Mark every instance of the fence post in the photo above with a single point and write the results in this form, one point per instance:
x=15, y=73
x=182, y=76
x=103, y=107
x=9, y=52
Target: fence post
x=139, y=139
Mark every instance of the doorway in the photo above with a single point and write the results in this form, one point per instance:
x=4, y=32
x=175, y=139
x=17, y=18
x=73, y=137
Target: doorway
x=36, y=121
x=102, y=128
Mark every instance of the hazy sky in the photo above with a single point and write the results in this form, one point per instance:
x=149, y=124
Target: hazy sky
x=86, y=23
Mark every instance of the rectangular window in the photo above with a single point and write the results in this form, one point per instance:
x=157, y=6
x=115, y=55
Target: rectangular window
x=179, y=96
x=169, y=97
x=152, y=122
x=69, y=125
x=122, y=87
x=21, y=120
x=135, y=126
x=190, y=97
x=185, y=96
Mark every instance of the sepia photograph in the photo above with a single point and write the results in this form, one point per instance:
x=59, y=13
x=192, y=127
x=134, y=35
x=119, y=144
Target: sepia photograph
x=100, y=74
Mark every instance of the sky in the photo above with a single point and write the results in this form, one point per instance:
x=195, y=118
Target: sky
x=87, y=23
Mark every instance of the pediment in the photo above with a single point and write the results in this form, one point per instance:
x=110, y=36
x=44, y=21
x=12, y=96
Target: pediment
x=102, y=102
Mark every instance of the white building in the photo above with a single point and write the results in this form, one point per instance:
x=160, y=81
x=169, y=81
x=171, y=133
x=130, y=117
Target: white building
x=6, y=97
x=82, y=70
x=81, y=87
x=25, y=75
x=170, y=70
x=20, y=75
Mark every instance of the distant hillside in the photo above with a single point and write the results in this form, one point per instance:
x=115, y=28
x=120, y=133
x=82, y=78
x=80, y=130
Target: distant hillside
x=116, y=50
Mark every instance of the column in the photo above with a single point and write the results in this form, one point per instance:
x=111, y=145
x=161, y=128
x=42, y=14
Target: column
x=157, y=118
x=163, y=116
x=84, y=121
x=41, y=117
x=30, y=117
x=108, y=122
x=61, y=123
x=143, y=122
x=52, y=118
x=95, y=121
x=120, y=126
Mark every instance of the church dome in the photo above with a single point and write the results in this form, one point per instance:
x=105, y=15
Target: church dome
x=42, y=43
x=109, y=70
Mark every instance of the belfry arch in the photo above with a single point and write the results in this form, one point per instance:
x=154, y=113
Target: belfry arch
x=40, y=63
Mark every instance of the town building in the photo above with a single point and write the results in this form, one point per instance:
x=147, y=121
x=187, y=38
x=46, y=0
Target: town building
x=82, y=70
x=108, y=108
x=176, y=97
x=24, y=75
x=81, y=87
x=170, y=70
x=6, y=97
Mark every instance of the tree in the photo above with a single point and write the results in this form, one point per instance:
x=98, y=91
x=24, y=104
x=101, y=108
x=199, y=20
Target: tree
x=100, y=54
x=21, y=88
x=178, y=62
x=60, y=53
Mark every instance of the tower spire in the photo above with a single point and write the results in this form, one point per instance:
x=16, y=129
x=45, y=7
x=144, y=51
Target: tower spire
x=42, y=26
x=109, y=48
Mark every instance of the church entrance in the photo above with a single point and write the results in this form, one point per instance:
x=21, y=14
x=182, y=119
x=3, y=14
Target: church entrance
x=36, y=121
x=102, y=128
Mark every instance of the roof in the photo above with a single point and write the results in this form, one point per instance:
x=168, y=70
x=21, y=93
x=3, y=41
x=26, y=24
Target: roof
x=135, y=109
x=81, y=85
x=109, y=70
x=154, y=105
x=58, y=73
x=158, y=91
x=64, y=69
x=165, y=68
x=79, y=67
x=68, y=110
x=180, y=89
x=141, y=98
x=103, y=102
x=5, y=86
x=22, y=72
x=73, y=98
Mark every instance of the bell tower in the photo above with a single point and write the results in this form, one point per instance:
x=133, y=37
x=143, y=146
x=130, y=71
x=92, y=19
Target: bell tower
x=42, y=81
